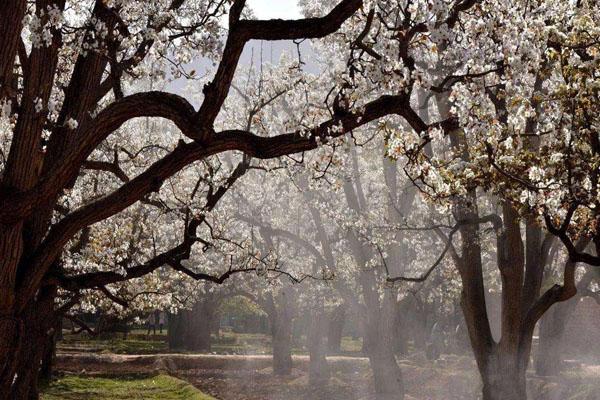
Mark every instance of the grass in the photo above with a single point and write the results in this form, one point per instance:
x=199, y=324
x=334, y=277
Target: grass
x=135, y=344
x=227, y=343
x=161, y=387
x=350, y=345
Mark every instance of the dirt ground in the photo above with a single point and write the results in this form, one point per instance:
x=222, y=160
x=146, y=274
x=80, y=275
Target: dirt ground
x=230, y=377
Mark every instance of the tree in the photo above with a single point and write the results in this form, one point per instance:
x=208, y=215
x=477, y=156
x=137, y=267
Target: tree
x=67, y=84
x=525, y=137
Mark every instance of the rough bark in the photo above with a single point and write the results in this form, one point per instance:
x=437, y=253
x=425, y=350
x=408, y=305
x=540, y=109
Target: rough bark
x=39, y=319
x=11, y=338
x=502, y=381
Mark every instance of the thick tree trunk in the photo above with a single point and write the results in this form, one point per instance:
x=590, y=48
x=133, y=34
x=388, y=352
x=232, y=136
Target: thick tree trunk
x=39, y=319
x=282, y=352
x=318, y=370
x=191, y=329
x=201, y=318
x=175, y=331
x=504, y=379
x=281, y=315
x=11, y=338
x=335, y=329
x=25, y=386
x=387, y=376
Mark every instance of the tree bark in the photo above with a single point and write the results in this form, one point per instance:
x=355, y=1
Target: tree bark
x=318, y=369
x=49, y=353
x=387, y=375
x=191, y=329
x=281, y=316
x=175, y=331
x=201, y=318
x=548, y=360
x=11, y=342
x=504, y=378
x=38, y=319
x=282, y=350
x=335, y=329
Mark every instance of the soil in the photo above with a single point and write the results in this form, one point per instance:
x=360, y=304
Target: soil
x=234, y=377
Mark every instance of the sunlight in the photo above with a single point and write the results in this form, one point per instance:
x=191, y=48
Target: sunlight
x=268, y=9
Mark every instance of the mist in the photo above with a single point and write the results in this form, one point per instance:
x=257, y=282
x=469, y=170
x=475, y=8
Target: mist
x=269, y=200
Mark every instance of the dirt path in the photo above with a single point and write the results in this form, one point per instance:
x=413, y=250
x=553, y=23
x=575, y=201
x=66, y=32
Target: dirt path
x=121, y=363
x=250, y=377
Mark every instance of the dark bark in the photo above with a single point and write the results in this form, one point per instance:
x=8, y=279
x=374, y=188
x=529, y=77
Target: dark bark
x=11, y=338
x=197, y=337
x=280, y=312
x=504, y=379
x=191, y=329
x=39, y=320
x=49, y=353
x=175, y=331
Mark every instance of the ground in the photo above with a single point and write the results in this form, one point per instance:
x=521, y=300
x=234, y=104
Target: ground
x=247, y=375
x=159, y=387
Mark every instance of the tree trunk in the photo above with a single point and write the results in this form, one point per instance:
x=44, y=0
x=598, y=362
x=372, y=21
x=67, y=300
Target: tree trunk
x=386, y=373
x=318, y=370
x=25, y=386
x=11, y=338
x=39, y=320
x=548, y=360
x=403, y=319
x=335, y=329
x=198, y=326
x=281, y=316
x=387, y=376
x=175, y=331
x=49, y=353
x=190, y=329
x=504, y=379
x=282, y=351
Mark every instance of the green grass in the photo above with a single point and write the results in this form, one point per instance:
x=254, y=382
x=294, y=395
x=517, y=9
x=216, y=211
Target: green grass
x=226, y=343
x=350, y=345
x=132, y=345
x=161, y=387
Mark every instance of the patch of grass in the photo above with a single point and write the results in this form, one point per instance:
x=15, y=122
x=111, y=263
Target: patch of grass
x=161, y=387
x=350, y=345
x=116, y=345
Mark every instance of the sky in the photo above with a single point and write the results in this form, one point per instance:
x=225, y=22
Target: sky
x=285, y=9
x=271, y=51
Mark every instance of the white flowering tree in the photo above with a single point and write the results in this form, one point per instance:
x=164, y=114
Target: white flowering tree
x=66, y=87
x=71, y=108
x=526, y=136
